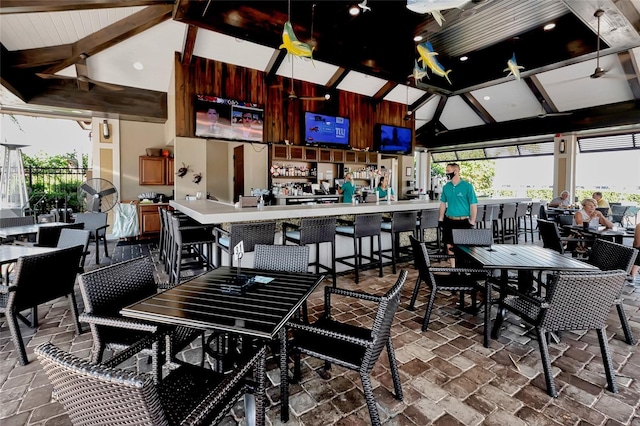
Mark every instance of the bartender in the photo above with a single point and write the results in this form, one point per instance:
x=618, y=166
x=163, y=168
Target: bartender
x=383, y=189
x=347, y=189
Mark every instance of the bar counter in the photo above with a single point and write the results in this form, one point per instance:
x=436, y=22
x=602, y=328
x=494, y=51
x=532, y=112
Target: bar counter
x=208, y=211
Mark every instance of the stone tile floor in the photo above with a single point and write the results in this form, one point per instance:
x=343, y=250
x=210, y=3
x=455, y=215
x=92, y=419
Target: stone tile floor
x=448, y=377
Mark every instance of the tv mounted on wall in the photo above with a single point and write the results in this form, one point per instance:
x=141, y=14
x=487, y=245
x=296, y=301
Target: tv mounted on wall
x=228, y=119
x=326, y=130
x=392, y=139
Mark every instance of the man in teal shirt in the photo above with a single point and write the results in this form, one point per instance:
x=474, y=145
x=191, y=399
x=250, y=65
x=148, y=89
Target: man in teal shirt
x=458, y=206
x=347, y=189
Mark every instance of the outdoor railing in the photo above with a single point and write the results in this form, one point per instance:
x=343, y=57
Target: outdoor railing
x=53, y=188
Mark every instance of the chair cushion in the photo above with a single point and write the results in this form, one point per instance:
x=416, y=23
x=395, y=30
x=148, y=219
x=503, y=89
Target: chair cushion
x=293, y=235
x=223, y=241
x=345, y=229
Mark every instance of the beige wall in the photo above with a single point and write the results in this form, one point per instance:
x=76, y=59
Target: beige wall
x=218, y=170
x=135, y=137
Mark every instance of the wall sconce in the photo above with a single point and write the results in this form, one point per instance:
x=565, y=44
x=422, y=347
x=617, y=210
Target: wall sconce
x=105, y=129
x=562, y=146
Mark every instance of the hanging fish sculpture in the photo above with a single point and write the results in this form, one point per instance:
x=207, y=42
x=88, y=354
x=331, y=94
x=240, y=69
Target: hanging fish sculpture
x=434, y=7
x=364, y=6
x=513, y=67
x=293, y=45
x=428, y=58
x=419, y=72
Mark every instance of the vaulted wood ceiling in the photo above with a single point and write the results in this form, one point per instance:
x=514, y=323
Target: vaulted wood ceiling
x=376, y=43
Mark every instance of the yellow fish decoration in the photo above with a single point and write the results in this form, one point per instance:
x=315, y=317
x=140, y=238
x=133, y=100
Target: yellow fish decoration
x=293, y=45
x=428, y=58
x=513, y=67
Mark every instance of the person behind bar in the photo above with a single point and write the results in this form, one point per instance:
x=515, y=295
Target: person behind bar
x=384, y=190
x=458, y=206
x=347, y=189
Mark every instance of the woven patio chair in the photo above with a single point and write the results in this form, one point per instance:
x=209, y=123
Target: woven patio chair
x=428, y=219
x=609, y=256
x=97, y=224
x=314, y=231
x=33, y=285
x=189, y=395
x=573, y=302
x=106, y=291
x=249, y=233
x=349, y=346
x=447, y=278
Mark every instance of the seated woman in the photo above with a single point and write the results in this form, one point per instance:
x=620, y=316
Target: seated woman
x=383, y=189
x=590, y=215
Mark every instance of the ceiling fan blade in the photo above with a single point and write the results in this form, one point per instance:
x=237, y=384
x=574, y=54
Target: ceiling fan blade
x=106, y=192
x=88, y=189
x=312, y=98
x=54, y=76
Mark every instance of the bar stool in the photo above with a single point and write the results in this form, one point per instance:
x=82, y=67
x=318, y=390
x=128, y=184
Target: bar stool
x=429, y=220
x=521, y=214
x=532, y=214
x=364, y=225
x=249, y=233
x=507, y=223
x=193, y=238
x=314, y=231
x=400, y=222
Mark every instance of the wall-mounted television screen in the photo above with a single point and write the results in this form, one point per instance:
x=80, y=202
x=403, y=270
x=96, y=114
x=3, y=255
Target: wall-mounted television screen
x=392, y=139
x=228, y=119
x=326, y=130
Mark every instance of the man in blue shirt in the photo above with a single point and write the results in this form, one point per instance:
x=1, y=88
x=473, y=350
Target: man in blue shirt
x=458, y=207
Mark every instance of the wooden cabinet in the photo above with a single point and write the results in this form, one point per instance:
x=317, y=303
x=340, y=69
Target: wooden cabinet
x=372, y=158
x=280, y=152
x=155, y=170
x=350, y=157
x=325, y=155
x=310, y=154
x=294, y=152
x=149, y=219
x=338, y=155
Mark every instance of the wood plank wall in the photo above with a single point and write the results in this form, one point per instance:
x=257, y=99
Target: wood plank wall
x=283, y=117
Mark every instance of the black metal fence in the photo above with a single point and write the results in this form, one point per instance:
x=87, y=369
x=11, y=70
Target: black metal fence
x=54, y=188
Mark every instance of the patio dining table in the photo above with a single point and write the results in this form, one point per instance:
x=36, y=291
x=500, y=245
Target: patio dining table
x=260, y=312
x=616, y=235
x=520, y=257
x=17, y=231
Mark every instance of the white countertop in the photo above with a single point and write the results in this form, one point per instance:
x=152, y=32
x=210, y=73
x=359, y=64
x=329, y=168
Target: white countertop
x=208, y=211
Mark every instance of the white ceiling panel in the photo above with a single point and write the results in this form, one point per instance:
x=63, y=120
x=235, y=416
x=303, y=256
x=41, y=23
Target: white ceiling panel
x=405, y=95
x=115, y=65
x=458, y=115
x=20, y=31
x=306, y=70
x=567, y=86
x=508, y=101
x=362, y=84
x=425, y=113
x=231, y=50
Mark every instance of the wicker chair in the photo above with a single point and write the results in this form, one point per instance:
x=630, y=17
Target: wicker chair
x=363, y=225
x=350, y=346
x=97, y=224
x=48, y=236
x=457, y=279
x=75, y=237
x=106, y=291
x=314, y=231
x=250, y=233
x=609, y=256
x=33, y=285
x=400, y=222
x=189, y=395
x=191, y=237
x=573, y=302
x=429, y=220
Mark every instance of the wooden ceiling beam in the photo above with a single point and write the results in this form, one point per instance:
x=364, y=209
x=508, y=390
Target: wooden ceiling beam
x=473, y=103
x=129, y=103
x=628, y=62
x=82, y=70
x=384, y=91
x=41, y=56
x=34, y=6
x=189, y=44
x=274, y=63
x=114, y=34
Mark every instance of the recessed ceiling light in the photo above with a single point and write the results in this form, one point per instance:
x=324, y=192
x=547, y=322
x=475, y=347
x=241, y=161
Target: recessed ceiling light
x=354, y=10
x=417, y=38
x=138, y=66
x=487, y=98
x=463, y=58
x=549, y=26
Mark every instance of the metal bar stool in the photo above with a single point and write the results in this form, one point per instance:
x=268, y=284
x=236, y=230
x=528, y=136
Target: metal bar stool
x=194, y=237
x=400, y=222
x=249, y=233
x=314, y=231
x=428, y=219
x=532, y=216
x=507, y=223
x=521, y=215
x=364, y=225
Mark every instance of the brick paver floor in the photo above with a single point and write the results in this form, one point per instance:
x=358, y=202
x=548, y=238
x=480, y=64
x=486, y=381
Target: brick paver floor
x=448, y=377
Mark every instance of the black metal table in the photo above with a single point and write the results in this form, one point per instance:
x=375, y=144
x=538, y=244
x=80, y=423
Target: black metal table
x=261, y=312
x=16, y=231
x=523, y=258
x=616, y=235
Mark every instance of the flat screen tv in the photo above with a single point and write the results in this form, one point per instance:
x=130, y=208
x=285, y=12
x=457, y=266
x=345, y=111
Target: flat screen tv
x=392, y=139
x=326, y=130
x=228, y=119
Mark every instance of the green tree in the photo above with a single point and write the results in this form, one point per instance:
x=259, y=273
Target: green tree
x=479, y=173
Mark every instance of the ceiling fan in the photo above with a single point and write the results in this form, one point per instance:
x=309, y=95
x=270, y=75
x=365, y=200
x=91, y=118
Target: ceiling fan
x=544, y=113
x=81, y=70
x=599, y=72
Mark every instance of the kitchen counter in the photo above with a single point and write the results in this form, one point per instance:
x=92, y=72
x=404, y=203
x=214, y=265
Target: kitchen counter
x=208, y=211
